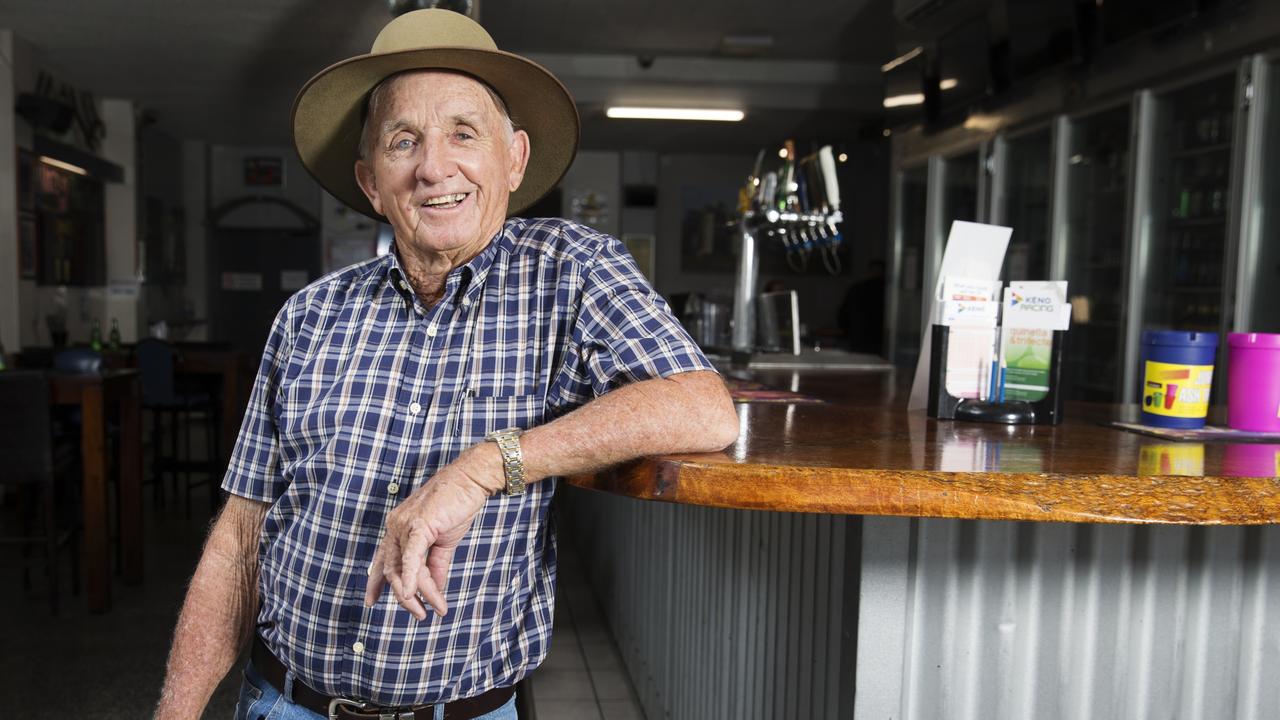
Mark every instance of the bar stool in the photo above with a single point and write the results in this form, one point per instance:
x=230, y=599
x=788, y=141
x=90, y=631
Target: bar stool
x=33, y=464
x=164, y=398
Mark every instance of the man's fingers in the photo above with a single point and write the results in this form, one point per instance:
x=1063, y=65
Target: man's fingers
x=438, y=562
x=412, y=558
x=390, y=554
x=432, y=593
x=373, y=586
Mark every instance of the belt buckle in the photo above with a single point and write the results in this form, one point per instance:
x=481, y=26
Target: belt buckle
x=338, y=703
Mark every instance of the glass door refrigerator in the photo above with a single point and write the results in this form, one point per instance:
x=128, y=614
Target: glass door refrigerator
x=1258, y=265
x=1192, y=181
x=1028, y=165
x=960, y=192
x=1182, y=219
x=913, y=191
x=1095, y=198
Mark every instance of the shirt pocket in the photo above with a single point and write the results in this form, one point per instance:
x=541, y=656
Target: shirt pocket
x=475, y=417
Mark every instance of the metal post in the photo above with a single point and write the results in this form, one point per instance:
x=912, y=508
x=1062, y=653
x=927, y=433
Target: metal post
x=1060, y=224
x=744, y=292
x=1143, y=131
x=998, y=193
x=1252, y=126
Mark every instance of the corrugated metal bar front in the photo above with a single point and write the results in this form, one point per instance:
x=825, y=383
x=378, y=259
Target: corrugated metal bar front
x=1021, y=620
x=725, y=613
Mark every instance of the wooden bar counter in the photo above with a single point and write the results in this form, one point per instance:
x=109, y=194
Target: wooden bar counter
x=862, y=453
x=851, y=560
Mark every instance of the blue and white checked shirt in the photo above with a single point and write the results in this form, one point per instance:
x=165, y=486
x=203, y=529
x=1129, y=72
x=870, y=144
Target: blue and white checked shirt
x=364, y=393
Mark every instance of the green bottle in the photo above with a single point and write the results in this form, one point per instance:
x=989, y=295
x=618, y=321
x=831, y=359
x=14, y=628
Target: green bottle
x=95, y=336
x=3, y=363
x=113, y=339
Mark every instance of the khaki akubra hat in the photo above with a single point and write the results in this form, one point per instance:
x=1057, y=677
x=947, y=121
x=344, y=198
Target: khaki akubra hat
x=328, y=113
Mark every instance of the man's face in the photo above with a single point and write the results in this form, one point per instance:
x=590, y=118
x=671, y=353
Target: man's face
x=442, y=164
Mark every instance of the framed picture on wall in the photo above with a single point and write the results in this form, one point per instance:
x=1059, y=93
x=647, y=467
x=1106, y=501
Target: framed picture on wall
x=27, y=246
x=640, y=245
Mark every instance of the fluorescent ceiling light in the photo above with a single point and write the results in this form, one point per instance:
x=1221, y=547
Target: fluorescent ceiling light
x=907, y=56
x=652, y=113
x=901, y=100
x=63, y=165
x=948, y=83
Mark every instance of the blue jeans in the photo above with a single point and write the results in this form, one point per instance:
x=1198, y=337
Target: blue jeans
x=260, y=701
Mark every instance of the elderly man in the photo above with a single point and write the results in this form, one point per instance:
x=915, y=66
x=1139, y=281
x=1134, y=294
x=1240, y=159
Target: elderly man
x=411, y=412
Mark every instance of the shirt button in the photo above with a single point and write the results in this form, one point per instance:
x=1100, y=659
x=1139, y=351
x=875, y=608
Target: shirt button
x=357, y=647
x=393, y=487
x=431, y=330
x=415, y=408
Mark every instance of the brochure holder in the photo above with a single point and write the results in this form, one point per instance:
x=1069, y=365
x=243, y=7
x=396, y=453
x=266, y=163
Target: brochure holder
x=944, y=406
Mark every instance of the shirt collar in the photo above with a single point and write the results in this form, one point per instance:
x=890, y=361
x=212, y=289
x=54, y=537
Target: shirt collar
x=464, y=280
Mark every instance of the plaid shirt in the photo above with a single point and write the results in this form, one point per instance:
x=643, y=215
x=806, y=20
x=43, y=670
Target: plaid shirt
x=364, y=393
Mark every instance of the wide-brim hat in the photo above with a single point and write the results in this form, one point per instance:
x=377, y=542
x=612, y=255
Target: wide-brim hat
x=328, y=114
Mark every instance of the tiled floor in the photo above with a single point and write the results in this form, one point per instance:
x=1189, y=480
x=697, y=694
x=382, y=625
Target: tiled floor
x=582, y=677
x=110, y=666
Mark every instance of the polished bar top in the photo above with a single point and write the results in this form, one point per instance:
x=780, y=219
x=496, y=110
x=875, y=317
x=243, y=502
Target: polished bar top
x=863, y=453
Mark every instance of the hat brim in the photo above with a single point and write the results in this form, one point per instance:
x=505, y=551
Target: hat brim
x=328, y=116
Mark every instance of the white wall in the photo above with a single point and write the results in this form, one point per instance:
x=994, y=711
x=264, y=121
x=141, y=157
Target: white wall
x=10, y=310
x=594, y=182
x=123, y=297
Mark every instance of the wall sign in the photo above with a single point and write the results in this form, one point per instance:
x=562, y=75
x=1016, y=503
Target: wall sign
x=264, y=171
x=246, y=281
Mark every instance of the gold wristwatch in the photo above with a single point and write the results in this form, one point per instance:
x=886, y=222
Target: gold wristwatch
x=508, y=441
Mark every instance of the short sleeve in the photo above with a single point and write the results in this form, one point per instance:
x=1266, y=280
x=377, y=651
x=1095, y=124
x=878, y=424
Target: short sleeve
x=625, y=331
x=254, y=469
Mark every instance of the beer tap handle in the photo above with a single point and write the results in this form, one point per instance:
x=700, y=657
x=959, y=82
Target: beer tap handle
x=829, y=180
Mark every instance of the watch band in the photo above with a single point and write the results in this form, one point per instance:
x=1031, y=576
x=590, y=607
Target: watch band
x=508, y=440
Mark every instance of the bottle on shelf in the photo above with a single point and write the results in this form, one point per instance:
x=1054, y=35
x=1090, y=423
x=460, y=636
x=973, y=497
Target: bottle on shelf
x=95, y=336
x=113, y=338
x=4, y=364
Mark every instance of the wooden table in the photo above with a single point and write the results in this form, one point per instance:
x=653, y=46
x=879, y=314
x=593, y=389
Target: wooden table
x=95, y=395
x=862, y=453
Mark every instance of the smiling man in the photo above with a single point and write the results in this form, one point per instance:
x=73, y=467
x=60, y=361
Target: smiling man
x=388, y=546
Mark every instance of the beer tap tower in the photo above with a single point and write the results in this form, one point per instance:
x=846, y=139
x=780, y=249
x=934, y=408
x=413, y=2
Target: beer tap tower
x=799, y=205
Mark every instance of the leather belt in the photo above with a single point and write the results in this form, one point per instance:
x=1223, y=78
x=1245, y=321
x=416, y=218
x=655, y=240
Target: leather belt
x=336, y=708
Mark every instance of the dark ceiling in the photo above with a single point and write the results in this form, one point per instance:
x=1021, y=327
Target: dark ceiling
x=226, y=72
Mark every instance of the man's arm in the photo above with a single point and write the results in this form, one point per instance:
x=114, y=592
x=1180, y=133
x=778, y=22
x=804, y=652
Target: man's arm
x=686, y=412
x=218, y=613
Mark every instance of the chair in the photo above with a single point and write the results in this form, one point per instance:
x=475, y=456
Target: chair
x=32, y=465
x=164, y=397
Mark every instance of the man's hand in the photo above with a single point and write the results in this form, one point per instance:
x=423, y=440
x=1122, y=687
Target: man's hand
x=426, y=528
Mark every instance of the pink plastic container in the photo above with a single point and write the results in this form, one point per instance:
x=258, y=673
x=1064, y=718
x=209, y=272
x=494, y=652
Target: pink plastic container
x=1253, y=382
